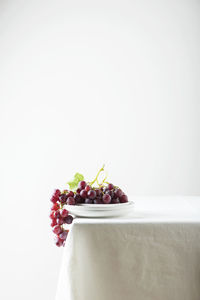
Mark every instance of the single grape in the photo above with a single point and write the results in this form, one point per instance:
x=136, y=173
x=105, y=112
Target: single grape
x=78, y=199
x=63, y=235
x=110, y=186
x=83, y=194
x=58, y=242
x=87, y=188
x=56, y=214
x=56, y=206
x=98, y=192
x=91, y=194
x=54, y=199
x=53, y=223
x=115, y=200
x=71, y=201
x=70, y=194
x=52, y=215
x=60, y=221
x=88, y=201
x=82, y=184
x=106, y=198
x=64, y=213
x=118, y=192
x=56, y=193
x=123, y=199
x=57, y=229
x=63, y=198
x=78, y=191
x=68, y=219
x=98, y=201
x=109, y=192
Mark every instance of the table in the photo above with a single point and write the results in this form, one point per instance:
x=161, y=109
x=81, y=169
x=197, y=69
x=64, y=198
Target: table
x=151, y=254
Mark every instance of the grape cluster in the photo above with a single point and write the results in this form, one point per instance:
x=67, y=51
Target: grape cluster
x=85, y=193
x=59, y=216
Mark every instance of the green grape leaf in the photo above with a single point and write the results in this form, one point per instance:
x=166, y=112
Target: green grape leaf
x=73, y=185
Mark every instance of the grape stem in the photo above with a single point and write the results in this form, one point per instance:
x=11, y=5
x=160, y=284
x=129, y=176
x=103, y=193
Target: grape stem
x=96, y=178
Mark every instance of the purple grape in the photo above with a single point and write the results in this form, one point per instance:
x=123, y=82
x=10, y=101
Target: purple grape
x=91, y=194
x=83, y=194
x=115, y=200
x=111, y=193
x=88, y=201
x=118, y=193
x=57, y=229
x=82, y=184
x=78, y=199
x=57, y=214
x=98, y=201
x=88, y=188
x=78, y=191
x=110, y=186
x=63, y=198
x=60, y=221
x=106, y=199
x=70, y=194
x=68, y=219
x=63, y=235
x=123, y=199
x=58, y=241
x=71, y=201
x=98, y=192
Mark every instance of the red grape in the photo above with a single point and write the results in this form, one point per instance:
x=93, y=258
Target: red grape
x=52, y=215
x=56, y=193
x=123, y=199
x=106, y=199
x=60, y=221
x=63, y=198
x=54, y=199
x=78, y=199
x=71, y=201
x=98, y=201
x=58, y=242
x=78, y=191
x=88, y=201
x=63, y=235
x=64, y=213
x=110, y=186
x=68, y=219
x=57, y=229
x=82, y=184
x=118, y=192
x=83, y=194
x=70, y=194
x=53, y=223
x=88, y=188
x=91, y=194
x=115, y=200
x=98, y=192
x=56, y=214
x=56, y=206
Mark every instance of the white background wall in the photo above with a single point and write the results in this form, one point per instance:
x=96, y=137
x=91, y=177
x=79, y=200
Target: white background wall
x=85, y=83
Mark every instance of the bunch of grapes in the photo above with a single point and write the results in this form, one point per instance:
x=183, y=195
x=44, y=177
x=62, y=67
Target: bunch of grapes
x=84, y=193
x=87, y=194
x=59, y=217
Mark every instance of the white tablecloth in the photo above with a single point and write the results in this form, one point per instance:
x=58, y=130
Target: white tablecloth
x=153, y=254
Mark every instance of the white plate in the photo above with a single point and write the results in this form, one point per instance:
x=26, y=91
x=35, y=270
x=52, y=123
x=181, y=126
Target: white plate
x=100, y=210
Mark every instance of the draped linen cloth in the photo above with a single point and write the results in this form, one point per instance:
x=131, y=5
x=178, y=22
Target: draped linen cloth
x=148, y=255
